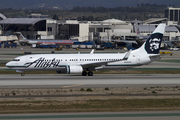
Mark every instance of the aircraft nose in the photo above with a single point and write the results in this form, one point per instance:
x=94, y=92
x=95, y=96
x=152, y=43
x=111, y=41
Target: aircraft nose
x=8, y=64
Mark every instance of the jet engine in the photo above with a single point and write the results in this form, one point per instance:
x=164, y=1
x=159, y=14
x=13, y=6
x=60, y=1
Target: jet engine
x=75, y=69
x=71, y=70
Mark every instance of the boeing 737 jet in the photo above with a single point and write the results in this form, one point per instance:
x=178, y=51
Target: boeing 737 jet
x=86, y=63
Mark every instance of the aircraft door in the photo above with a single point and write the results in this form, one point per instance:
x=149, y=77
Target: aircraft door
x=26, y=59
x=138, y=59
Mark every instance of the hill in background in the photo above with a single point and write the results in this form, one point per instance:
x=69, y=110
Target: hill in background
x=68, y=4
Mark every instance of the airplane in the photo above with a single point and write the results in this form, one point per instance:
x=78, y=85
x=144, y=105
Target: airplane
x=139, y=36
x=86, y=63
x=22, y=39
x=124, y=41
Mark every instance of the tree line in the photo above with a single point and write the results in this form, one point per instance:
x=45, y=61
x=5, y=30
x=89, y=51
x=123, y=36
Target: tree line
x=139, y=8
x=141, y=12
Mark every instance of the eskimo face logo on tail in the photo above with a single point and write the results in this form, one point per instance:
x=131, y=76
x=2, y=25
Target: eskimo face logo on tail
x=153, y=43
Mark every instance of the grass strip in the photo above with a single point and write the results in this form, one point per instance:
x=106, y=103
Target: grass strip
x=111, y=105
x=90, y=116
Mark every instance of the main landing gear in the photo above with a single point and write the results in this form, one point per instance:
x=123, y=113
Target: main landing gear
x=84, y=73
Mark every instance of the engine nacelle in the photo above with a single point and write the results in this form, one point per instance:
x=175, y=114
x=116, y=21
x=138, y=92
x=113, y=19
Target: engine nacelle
x=71, y=70
x=75, y=69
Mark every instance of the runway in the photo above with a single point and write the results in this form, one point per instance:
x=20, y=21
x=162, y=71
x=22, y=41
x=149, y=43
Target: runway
x=98, y=80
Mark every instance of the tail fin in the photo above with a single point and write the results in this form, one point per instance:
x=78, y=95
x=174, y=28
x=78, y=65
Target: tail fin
x=153, y=43
x=20, y=36
x=137, y=29
x=138, y=34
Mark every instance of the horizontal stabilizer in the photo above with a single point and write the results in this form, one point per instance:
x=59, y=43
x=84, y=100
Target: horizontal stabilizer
x=155, y=55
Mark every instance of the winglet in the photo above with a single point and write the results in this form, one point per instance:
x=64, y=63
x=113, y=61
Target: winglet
x=92, y=51
x=127, y=55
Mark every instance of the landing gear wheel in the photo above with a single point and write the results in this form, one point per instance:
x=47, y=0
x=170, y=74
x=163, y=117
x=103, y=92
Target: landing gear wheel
x=84, y=73
x=90, y=73
x=22, y=74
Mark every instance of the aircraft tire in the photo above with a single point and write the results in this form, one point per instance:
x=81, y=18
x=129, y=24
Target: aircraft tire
x=90, y=73
x=22, y=74
x=84, y=73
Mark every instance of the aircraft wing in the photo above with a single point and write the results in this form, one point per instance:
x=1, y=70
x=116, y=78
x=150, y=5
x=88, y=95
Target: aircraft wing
x=98, y=64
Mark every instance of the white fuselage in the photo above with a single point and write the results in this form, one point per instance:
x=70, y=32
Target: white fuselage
x=59, y=61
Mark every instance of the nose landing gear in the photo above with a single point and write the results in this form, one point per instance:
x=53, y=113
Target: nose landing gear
x=22, y=74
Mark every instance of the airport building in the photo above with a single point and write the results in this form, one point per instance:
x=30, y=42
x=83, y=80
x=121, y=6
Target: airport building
x=29, y=27
x=41, y=27
x=72, y=29
x=173, y=14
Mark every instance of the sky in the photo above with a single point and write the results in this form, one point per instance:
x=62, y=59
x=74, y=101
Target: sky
x=86, y=3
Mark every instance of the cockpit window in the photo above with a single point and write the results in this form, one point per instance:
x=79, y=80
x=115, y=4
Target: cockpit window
x=16, y=59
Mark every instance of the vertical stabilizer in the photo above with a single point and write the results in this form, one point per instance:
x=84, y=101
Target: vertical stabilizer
x=20, y=36
x=153, y=43
x=137, y=30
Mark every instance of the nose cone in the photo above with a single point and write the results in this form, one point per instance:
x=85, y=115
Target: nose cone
x=8, y=64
